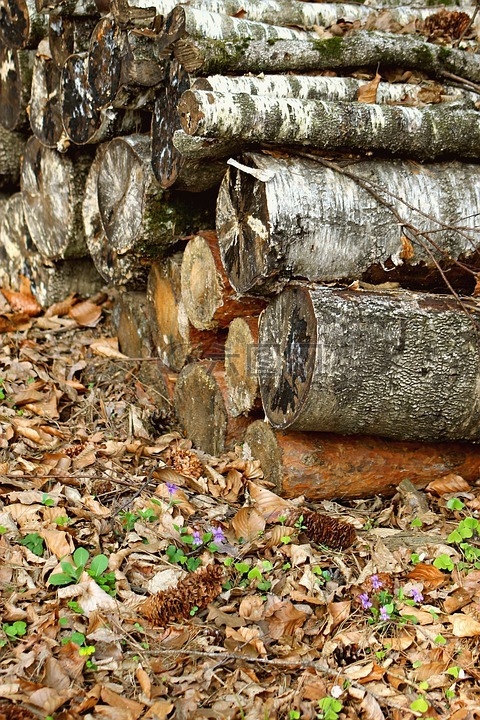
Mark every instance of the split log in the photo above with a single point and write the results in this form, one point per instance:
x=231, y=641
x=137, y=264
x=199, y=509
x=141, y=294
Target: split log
x=176, y=341
x=209, y=300
x=45, y=104
x=206, y=56
x=241, y=374
x=139, y=217
x=73, y=8
x=21, y=26
x=12, y=145
x=15, y=87
x=83, y=123
x=398, y=365
x=264, y=242
x=53, y=186
x=200, y=406
x=424, y=133
x=322, y=465
x=68, y=36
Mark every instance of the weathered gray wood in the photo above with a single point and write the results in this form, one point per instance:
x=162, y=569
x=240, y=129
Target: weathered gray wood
x=74, y=8
x=15, y=240
x=137, y=215
x=361, y=49
x=4, y=269
x=15, y=87
x=12, y=145
x=53, y=186
x=423, y=133
x=399, y=365
x=21, y=26
x=241, y=366
x=45, y=103
x=286, y=218
x=68, y=35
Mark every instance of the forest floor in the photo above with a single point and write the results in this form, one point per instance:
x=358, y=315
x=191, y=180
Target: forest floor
x=103, y=504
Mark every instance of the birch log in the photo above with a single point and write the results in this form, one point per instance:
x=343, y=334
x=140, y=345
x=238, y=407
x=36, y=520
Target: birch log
x=361, y=49
x=15, y=240
x=324, y=465
x=296, y=218
x=4, y=269
x=21, y=26
x=15, y=87
x=53, y=187
x=424, y=133
x=241, y=374
x=175, y=339
x=45, y=103
x=139, y=217
x=200, y=406
x=105, y=60
x=73, y=8
x=397, y=365
x=12, y=145
x=209, y=300
x=68, y=35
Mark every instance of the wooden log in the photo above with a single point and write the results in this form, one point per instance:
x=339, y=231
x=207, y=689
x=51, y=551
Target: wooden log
x=264, y=243
x=45, y=104
x=52, y=281
x=424, y=133
x=15, y=240
x=21, y=26
x=12, y=145
x=68, y=35
x=73, y=8
x=4, y=274
x=83, y=123
x=53, y=187
x=324, y=465
x=176, y=341
x=139, y=217
x=241, y=375
x=200, y=406
x=210, y=301
x=398, y=365
x=206, y=56
x=105, y=60
x=15, y=87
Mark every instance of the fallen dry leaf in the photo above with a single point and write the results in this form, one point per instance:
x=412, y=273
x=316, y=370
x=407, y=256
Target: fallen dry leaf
x=248, y=523
x=448, y=484
x=86, y=314
x=464, y=625
x=368, y=93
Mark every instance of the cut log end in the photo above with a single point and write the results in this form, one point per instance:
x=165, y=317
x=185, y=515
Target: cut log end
x=202, y=286
x=241, y=366
x=81, y=119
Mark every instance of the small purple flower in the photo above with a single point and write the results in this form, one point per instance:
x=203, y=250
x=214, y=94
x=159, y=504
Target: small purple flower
x=365, y=600
x=384, y=614
x=197, y=540
x=218, y=536
x=376, y=582
x=416, y=594
x=171, y=487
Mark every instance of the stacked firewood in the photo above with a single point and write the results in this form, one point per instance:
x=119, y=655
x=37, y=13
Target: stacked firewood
x=286, y=196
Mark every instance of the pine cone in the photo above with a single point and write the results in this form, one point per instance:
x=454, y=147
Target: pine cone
x=9, y=711
x=184, y=461
x=446, y=24
x=323, y=529
x=197, y=589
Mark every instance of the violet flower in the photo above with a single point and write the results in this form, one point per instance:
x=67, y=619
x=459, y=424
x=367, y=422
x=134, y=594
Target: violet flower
x=171, y=487
x=365, y=600
x=197, y=540
x=218, y=536
x=416, y=595
x=384, y=614
x=376, y=582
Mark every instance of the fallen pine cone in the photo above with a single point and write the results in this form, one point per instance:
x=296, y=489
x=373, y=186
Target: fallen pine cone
x=323, y=529
x=9, y=711
x=196, y=590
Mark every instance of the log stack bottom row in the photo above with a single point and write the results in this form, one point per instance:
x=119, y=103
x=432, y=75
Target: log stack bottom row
x=319, y=313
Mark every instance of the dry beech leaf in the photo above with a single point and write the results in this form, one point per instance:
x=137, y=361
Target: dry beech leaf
x=339, y=611
x=277, y=532
x=88, y=594
x=458, y=599
x=86, y=314
x=464, y=625
x=407, y=252
x=359, y=672
x=160, y=710
x=61, y=308
x=58, y=542
x=271, y=506
x=144, y=682
x=285, y=621
x=22, y=302
x=448, y=484
x=430, y=576
x=368, y=93
x=370, y=708
x=252, y=608
x=106, y=347
x=423, y=617
x=111, y=698
x=248, y=523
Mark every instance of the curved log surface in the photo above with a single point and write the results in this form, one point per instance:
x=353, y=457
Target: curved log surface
x=12, y=146
x=398, y=365
x=15, y=240
x=264, y=242
x=53, y=187
x=68, y=36
x=74, y=8
x=324, y=465
x=15, y=87
x=45, y=104
x=241, y=375
x=107, y=47
x=21, y=26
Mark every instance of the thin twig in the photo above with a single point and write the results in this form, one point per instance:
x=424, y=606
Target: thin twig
x=464, y=32
x=475, y=87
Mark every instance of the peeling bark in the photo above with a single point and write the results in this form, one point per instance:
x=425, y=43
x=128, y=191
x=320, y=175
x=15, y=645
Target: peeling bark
x=241, y=374
x=12, y=146
x=397, y=365
x=15, y=87
x=53, y=187
x=322, y=466
x=296, y=218
x=362, y=49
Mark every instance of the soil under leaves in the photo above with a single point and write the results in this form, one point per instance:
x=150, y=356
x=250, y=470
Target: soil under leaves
x=104, y=505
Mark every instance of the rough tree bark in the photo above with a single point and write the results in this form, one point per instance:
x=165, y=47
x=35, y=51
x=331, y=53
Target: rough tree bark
x=21, y=26
x=15, y=240
x=271, y=227
x=68, y=35
x=209, y=300
x=74, y=8
x=15, y=87
x=12, y=146
x=45, y=103
x=53, y=187
x=241, y=375
x=175, y=339
x=323, y=465
x=398, y=365
x=424, y=133
x=362, y=49
x=200, y=406
x=139, y=217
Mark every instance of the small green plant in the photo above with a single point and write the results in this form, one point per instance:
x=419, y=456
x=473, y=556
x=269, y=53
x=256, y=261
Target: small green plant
x=420, y=704
x=455, y=504
x=72, y=573
x=466, y=529
x=73, y=605
x=294, y=715
x=34, y=542
x=15, y=630
x=444, y=562
x=329, y=708
x=62, y=520
x=47, y=501
x=416, y=522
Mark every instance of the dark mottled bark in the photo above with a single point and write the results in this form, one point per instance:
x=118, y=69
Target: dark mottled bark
x=15, y=87
x=45, y=103
x=12, y=146
x=21, y=26
x=68, y=35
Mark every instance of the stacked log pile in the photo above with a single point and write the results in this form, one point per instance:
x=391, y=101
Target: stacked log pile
x=285, y=195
